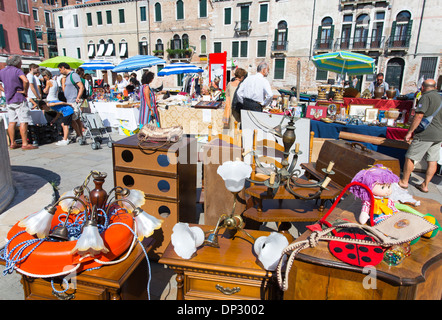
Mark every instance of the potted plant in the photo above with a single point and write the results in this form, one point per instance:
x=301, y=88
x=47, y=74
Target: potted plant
x=158, y=52
x=172, y=53
x=188, y=52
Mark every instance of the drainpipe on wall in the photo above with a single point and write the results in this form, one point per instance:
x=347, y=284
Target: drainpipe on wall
x=419, y=30
x=313, y=23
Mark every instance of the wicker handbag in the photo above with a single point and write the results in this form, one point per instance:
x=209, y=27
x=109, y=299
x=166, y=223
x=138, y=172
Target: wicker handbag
x=149, y=134
x=399, y=228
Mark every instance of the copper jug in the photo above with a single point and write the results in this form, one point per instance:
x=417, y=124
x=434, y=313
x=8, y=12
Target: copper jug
x=378, y=92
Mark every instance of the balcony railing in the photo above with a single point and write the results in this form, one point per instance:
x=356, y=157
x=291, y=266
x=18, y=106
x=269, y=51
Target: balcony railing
x=399, y=42
x=324, y=44
x=280, y=45
x=360, y=43
x=243, y=26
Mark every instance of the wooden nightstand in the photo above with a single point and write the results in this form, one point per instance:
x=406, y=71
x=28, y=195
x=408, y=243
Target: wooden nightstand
x=126, y=280
x=231, y=272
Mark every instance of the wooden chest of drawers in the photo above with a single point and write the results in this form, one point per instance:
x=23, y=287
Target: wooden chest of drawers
x=167, y=176
x=231, y=272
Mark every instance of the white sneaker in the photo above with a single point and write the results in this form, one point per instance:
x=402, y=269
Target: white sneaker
x=62, y=143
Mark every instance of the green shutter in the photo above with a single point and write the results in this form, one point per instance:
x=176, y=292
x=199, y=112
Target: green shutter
x=2, y=37
x=33, y=40
x=89, y=18
x=263, y=12
x=235, y=49
x=244, y=46
x=332, y=32
x=409, y=27
x=203, y=8
x=99, y=19
x=217, y=47
x=157, y=12
x=180, y=10
x=318, y=39
x=60, y=22
x=109, y=17
x=121, y=12
x=227, y=15
x=143, y=14
x=20, y=38
x=393, y=31
x=262, y=48
x=279, y=69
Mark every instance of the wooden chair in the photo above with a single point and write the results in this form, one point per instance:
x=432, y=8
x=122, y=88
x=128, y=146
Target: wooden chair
x=236, y=140
x=267, y=151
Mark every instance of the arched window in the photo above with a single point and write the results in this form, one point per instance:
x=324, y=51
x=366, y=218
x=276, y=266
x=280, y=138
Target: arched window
x=157, y=12
x=203, y=42
x=101, y=48
x=110, y=48
x=361, y=31
x=123, y=48
x=159, y=45
x=401, y=30
x=176, y=42
x=142, y=46
x=91, y=49
x=281, y=36
x=325, y=33
x=185, y=39
x=180, y=10
x=395, y=72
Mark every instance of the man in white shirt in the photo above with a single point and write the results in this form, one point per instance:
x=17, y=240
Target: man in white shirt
x=33, y=93
x=255, y=91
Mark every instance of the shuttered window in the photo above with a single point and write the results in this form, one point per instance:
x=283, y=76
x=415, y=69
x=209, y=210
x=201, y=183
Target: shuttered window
x=279, y=69
x=109, y=17
x=217, y=47
x=261, y=48
x=27, y=39
x=121, y=14
x=99, y=18
x=89, y=18
x=235, y=49
x=244, y=48
x=157, y=12
x=263, y=12
x=180, y=10
x=227, y=15
x=2, y=37
x=203, y=8
x=60, y=22
x=143, y=16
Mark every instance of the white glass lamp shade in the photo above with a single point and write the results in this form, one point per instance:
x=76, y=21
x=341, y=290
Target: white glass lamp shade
x=186, y=240
x=234, y=174
x=38, y=223
x=65, y=204
x=136, y=197
x=90, y=242
x=269, y=249
x=146, y=223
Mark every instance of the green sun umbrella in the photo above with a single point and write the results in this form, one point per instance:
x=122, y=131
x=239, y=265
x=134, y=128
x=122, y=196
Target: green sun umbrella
x=53, y=62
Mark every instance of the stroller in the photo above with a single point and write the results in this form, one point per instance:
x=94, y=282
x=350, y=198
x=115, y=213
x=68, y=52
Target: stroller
x=94, y=130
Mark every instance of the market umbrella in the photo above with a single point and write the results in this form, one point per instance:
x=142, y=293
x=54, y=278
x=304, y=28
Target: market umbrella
x=97, y=65
x=179, y=68
x=53, y=62
x=138, y=62
x=342, y=62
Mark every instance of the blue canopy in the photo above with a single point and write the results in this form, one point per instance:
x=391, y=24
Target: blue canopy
x=138, y=62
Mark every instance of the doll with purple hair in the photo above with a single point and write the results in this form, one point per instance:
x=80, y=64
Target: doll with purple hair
x=379, y=179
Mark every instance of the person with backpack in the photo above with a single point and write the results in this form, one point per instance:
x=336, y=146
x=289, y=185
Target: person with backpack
x=73, y=89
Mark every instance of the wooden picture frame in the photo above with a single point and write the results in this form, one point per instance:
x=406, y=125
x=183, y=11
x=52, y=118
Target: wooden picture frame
x=358, y=110
x=371, y=115
x=316, y=112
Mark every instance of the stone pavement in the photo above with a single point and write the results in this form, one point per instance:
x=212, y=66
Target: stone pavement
x=45, y=173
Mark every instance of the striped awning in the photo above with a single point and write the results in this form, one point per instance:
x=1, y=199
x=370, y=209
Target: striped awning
x=342, y=62
x=97, y=65
x=179, y=68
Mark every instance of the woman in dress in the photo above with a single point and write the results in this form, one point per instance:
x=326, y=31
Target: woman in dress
x=230, y=116
x=148, y=105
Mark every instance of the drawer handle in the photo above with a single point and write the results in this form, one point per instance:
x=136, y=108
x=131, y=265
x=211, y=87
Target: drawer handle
x=227, y=291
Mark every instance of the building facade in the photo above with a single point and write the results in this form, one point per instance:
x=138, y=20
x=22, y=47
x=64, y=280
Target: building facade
x=400, y=35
